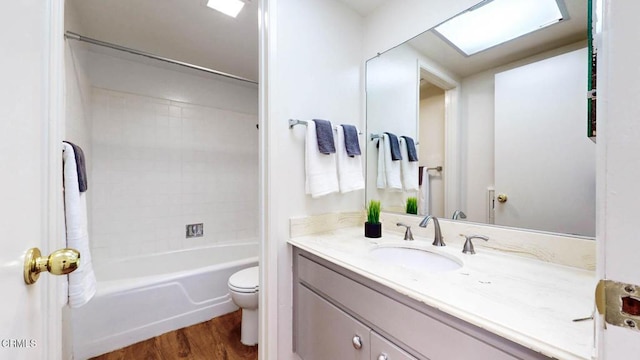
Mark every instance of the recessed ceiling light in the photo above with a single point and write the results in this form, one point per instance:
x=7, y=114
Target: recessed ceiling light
x=227, y=7
x=497, y=21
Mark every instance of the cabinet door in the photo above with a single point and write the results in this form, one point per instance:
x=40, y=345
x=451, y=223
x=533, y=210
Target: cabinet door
x=383, y=349
x=326, y=332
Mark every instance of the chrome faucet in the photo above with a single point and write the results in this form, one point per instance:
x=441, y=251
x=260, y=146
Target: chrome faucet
x=407, y=234
x=468, y=245
x=458, y=214
x=437, y=237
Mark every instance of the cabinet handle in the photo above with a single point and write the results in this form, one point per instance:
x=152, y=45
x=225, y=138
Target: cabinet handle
x=382, y=356
x=357, y=342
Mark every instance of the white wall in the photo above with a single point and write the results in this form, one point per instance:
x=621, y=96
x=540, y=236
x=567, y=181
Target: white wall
x=159, y=164
x=315, y=71
x=77, y=89
x=432, y=145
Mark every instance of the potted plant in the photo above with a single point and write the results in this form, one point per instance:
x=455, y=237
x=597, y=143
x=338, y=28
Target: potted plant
x=373, y=227
x=412, y=205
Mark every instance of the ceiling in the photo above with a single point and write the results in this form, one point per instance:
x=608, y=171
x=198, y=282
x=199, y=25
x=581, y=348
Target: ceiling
x=364, y=7
x=567, y=32
x=184, y=30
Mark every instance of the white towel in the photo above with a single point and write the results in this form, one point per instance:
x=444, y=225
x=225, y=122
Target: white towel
x=321, y=172
x=382, y=176
x=423, y=194
x=82, y=282
x=391, y=168
x=409, y=169
x=349, y=168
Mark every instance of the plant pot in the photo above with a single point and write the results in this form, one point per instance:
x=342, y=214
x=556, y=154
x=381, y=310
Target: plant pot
x=372, y=230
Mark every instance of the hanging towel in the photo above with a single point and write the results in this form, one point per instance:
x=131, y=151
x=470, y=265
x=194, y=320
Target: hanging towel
x=409, y=169
x=324, y=133
x=82, y=282
x=321, y=174
x=381, y=182
x=394, y=145
x=349, y=167
x=411, y=148
x=391, y=169
x=351, y=141
x=423, y=194
x=81, y=165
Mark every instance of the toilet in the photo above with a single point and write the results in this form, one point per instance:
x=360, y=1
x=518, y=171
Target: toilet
x=243, y=287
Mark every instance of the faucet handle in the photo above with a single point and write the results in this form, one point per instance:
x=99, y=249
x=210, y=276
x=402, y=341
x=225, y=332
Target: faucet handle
x=468, y=244
x=407, y=234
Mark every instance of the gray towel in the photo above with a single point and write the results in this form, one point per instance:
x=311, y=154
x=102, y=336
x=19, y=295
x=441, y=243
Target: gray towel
x=411, y=149
x=395, y=147
x=324, y=133
x=351, y=142
x=80, y=166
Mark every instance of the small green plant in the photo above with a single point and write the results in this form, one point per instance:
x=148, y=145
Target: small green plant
x=373, y=212
x=412, y=205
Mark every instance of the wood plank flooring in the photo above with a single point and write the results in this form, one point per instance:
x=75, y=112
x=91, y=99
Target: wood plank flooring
x=216, y=339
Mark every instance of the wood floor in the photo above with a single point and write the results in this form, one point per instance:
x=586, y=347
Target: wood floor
x=217, y=339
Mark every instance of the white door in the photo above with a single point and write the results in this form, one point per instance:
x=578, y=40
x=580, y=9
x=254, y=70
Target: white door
x=618, y=107
x=29, y=321
x=544, y=162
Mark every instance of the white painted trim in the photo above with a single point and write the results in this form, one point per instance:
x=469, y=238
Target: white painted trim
x=451, y=166
x=52, y=212
x=268, y=302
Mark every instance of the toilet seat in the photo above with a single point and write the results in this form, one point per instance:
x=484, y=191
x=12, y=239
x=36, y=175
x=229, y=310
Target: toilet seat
x=245, y=281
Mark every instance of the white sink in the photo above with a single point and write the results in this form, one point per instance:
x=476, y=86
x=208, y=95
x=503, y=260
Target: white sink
x=416, y=259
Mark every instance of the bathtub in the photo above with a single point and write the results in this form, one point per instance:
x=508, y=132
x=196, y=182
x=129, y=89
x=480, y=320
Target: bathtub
x=143, y=297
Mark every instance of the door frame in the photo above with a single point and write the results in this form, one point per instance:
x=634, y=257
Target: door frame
x=451, y=166
x=53, y=238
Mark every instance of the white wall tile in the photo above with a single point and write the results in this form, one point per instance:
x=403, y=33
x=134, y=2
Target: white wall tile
x=160, y=165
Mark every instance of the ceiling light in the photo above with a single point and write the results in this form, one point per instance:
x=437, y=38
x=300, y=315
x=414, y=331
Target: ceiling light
x=227, y=7
x=498, y=21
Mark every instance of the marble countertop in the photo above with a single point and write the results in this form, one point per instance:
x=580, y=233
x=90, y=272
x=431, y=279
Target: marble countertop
x=530, y=302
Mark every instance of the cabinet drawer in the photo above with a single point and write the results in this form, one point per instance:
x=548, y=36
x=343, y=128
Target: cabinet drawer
x=326, y=332
x=383, y=349
x=436, y=336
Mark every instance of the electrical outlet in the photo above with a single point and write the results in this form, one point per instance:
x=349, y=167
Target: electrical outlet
x=195, y=230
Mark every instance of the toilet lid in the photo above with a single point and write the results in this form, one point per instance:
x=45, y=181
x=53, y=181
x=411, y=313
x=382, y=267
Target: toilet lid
x=245, y=280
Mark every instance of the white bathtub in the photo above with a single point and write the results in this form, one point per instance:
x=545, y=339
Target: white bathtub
x=143, y=297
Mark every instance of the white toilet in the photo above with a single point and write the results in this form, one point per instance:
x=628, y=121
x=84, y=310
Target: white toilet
x=243, y=287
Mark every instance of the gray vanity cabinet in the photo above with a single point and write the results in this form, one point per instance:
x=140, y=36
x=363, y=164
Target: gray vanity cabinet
x=383, y=349
x=327, y=332
x=341, y=315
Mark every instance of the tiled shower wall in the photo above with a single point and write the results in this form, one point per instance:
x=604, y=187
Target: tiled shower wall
x=159, y=165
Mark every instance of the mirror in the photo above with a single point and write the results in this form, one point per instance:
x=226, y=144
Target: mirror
x=508, y=126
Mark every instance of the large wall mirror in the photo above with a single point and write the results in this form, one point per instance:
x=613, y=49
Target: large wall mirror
x=501, y=128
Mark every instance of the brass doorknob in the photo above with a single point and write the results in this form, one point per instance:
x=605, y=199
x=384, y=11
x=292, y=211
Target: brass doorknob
x=502, y=198
x=60, y=262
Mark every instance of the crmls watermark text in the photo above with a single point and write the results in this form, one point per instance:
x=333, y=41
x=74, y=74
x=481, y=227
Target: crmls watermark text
x=18, y=343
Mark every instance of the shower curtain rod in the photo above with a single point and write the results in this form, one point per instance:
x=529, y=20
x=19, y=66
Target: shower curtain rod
x=74, y=36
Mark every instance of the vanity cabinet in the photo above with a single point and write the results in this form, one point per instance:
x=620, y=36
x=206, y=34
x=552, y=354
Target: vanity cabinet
x=339, y=314
x=337, y=335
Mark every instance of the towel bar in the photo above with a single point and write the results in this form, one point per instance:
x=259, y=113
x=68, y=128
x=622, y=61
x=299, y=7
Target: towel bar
x=294, y=122
x=373, y=136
